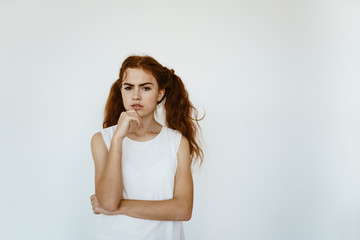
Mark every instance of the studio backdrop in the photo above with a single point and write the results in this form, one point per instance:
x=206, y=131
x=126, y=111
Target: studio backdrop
x=277, y=80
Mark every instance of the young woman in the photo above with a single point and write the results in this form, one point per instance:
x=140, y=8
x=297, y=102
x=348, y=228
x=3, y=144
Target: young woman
x=143, y=180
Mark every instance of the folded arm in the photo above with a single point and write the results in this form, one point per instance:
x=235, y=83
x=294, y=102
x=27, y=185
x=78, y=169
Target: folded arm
x=179, y=208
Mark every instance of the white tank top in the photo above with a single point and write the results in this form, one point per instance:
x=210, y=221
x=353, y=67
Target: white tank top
x=148, y=170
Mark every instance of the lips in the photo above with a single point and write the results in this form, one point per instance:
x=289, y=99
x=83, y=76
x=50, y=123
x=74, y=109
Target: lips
x=136, y=106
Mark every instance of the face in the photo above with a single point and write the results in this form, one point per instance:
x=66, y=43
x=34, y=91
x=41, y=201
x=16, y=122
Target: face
x=140, y=91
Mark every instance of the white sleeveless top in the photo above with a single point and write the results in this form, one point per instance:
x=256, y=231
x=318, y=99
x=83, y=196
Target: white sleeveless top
x=148, y=170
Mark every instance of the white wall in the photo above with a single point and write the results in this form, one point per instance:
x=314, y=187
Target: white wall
x=279, y=81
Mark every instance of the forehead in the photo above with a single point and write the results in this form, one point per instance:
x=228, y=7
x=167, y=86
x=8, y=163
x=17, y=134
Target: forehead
x=137, y=76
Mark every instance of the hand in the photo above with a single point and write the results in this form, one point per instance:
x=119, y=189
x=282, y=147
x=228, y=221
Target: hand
x=125, y=119
x=97, y=208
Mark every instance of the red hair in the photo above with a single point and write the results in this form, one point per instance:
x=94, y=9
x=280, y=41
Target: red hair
x=180, y=114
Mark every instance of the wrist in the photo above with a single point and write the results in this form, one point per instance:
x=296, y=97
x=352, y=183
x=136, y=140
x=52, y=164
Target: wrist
x=117, y=141
x=117, y=138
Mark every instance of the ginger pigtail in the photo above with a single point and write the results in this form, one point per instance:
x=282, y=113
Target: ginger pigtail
x=181, y=114
x=114, y=106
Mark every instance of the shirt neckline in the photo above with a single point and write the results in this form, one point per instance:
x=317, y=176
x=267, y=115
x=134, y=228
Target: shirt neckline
x=151, y=140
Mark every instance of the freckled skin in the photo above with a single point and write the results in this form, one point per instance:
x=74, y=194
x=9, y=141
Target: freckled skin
x=134, y=91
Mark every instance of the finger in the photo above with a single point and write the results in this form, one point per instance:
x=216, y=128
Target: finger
x=134, y=113
x=96, y=210
x=140, y=124
x=137, y=121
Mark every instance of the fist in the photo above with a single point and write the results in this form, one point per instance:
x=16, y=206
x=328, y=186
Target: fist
x=97, y=208
x=125, y=119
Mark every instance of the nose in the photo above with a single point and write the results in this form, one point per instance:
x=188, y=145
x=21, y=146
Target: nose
x=136, y=94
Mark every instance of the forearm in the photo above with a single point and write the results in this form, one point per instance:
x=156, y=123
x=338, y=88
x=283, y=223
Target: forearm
x=110, y=186
x=166, y=210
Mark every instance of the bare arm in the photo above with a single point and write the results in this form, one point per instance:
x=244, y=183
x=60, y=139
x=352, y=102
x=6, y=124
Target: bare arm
x=108, y=165
x=179, y=208
x=108, y=172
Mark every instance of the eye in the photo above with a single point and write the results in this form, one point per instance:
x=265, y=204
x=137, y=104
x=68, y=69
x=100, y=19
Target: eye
x=146, y=88
x=127, y=88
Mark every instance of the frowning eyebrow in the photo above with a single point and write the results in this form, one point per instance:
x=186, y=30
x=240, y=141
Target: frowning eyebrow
x=143, y=84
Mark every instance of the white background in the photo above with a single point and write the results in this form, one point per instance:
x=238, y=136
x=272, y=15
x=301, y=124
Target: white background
x=279, y=81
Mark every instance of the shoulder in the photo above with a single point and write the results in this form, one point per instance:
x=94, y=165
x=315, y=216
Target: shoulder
x=109, y=130
x=172, y=132
x=184, y=146
x=96, y=139
x=181, y=144
x=183, y=157
x=100, y=141
x=174, y=137
x=104, y=135
x=97, y=142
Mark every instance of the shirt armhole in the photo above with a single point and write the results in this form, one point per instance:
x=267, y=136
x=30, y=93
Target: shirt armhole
x=104, y=135
x=177, y=143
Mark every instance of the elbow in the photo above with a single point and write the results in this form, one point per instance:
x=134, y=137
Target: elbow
x=187, y=217
x=108, y=202
x=185, y=214
x=184, y=210
x=110, y=205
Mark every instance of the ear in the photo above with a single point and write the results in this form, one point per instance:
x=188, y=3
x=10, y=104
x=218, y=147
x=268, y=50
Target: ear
x=161, y=94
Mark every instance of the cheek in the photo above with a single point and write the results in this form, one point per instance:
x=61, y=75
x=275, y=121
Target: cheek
x=154, y=98
x=125, y=96
x=149, y=95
